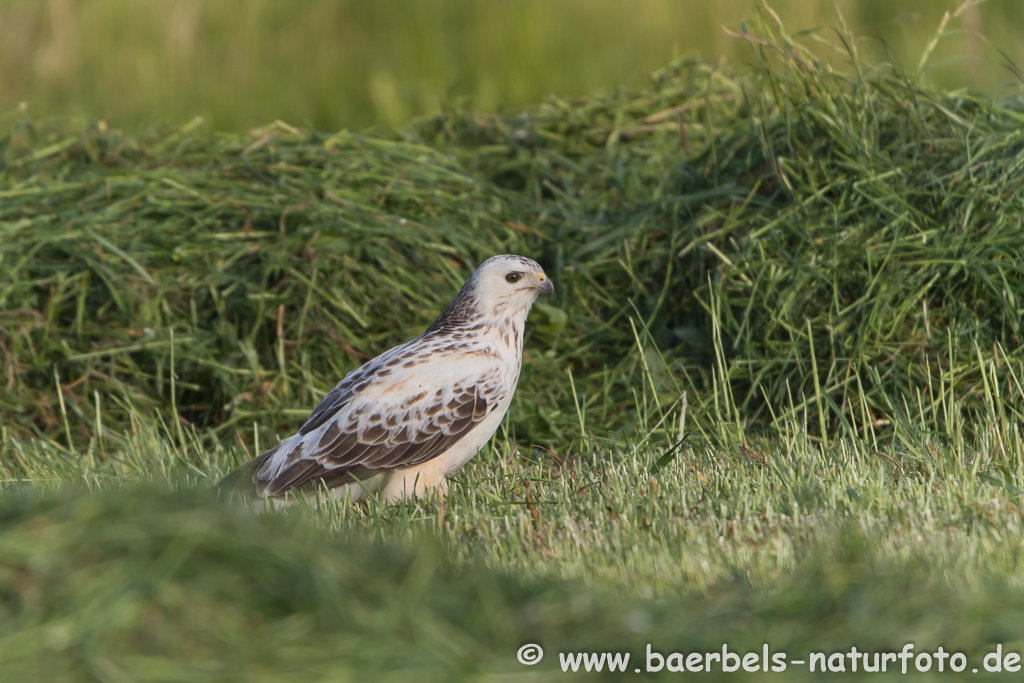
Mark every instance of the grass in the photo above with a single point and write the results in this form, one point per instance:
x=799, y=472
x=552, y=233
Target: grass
x=809, y=548
x=333, y=64
x=865, y=217
x=825, y=259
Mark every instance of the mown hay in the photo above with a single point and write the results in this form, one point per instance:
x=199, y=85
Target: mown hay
x=850, y=233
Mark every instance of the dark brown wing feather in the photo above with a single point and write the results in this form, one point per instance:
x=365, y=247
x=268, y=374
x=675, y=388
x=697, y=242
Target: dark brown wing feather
x=342, y=457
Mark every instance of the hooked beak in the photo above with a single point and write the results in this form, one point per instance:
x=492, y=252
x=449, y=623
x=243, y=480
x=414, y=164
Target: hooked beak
x=545, y=285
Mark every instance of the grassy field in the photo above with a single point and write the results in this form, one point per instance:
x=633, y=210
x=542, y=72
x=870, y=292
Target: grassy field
x=825, y=261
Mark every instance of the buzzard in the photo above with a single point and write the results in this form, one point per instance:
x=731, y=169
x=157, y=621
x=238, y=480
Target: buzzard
x=418, y=412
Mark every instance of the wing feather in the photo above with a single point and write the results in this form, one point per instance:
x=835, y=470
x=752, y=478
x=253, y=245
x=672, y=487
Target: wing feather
x=369, y=423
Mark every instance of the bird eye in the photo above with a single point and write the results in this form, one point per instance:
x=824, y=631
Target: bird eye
x=513, y=278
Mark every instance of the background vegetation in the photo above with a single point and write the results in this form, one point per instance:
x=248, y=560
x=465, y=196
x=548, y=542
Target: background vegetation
x=824, y=254
x=820, y=240
x=330, y=64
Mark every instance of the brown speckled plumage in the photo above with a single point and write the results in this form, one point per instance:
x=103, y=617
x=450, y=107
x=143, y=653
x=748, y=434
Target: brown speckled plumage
x=420, y=410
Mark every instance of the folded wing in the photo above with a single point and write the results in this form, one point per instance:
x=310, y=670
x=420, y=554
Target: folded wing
x=381, y=419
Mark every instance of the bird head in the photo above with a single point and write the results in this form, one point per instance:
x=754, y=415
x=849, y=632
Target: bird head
x=502, y=287
x=507, y=285
x=501, y=278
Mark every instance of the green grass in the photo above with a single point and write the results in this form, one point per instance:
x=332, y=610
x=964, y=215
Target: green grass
x=330, y=64
x=807, y=548
x=825, y=260
x=857, y=218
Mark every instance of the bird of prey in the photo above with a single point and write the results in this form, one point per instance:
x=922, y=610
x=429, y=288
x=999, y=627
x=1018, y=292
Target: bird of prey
x=398, y=424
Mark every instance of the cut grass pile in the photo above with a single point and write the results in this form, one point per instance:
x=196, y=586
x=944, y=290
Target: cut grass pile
x=807, y=253
x=851, y=230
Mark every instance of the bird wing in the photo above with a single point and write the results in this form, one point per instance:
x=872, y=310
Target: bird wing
x=402, y=409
